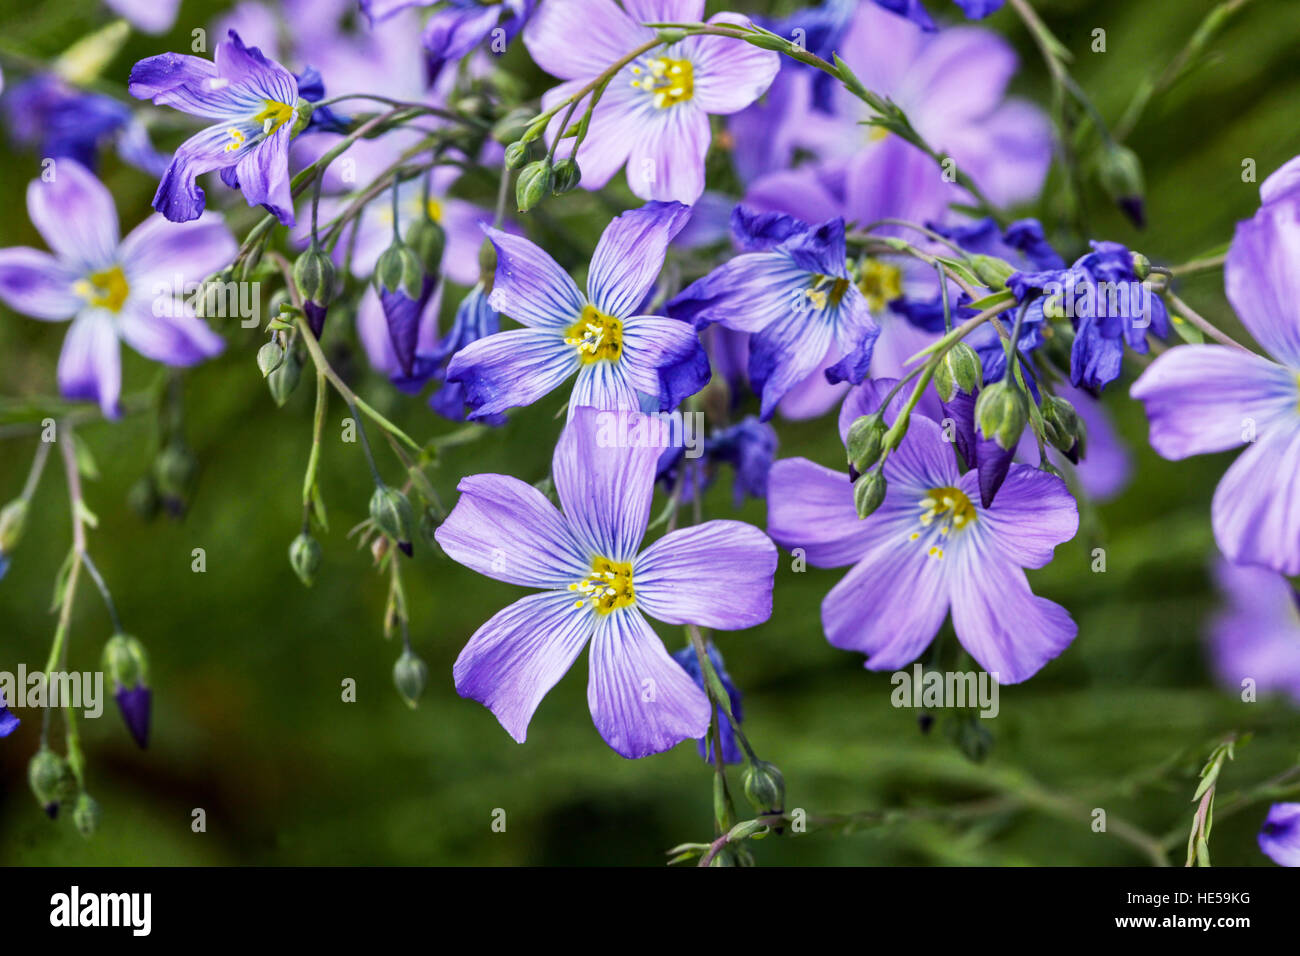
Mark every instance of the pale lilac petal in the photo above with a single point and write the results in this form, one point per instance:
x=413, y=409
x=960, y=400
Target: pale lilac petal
x=90, y=365
x=1208, y=398
x=180, y=339
x=1262, y=281
x=1007, y=153
x=605, y=486
x=520, y=654
x=463, y=223
x=1257, y=636
x=961, y=78
x=151, y=16
x=642, y=701
x=814, y=396
x=810, y=508
x=729, y=74
x=512, y=369
x=160, y=250
x=530, y=286
x=1009, y=631
x=604, y=386
x=665, y=11
x=264, y=175
x=581, y=38
x=1256, y=508
x=36, y=284
x=717, y=574
x=1033, y=513
x=75, y=215
x=881, y=48
x=1284, y=181
x=179, y=197
x=667, y=158
x=506, y=529
x=630, y=254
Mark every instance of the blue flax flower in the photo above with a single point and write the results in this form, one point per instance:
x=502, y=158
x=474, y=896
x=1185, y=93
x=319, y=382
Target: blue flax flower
x=458, y=26
x=1279, y=838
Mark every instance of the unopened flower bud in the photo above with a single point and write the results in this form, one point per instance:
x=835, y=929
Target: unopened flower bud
x=869, y=492
x=269, y=357
x=487, y=264
x=302, y=111
x=143, y=498
x=13, y=518
x=764, y=787
x=314, y=275
x=51, y=780
x=285, y=379
x=410, y=675
x=391, y=512
x=534, y=184
x=174, y=470
x=516, y=154
x=959, y=369
x=1063, y=426
x=866, y=441
x=399, y=269
x=1000, y=413
x=1141, y=266
x=127, y=666
x=86, y=814
x=1121, y=177
x=304, y=557
x=427, y=240
x=567, y=176
x=512, y=126
x=991, y=270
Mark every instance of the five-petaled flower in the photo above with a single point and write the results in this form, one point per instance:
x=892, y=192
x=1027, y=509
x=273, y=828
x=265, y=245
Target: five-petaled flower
x=138, y=289
x=597, y=584
x=618, y=352
x=255, y=103
x=929, y=547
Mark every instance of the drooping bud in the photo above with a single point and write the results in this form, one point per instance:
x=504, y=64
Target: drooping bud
x=1121, y=177
x=127, y=666
x=567, y=176
x=866, y=441
x=1063, y=426
x=304, y=557
x=1141, y=266
x=285, y=379
x=513, y=125
x=86, y=814
x=13, y=518
x=314, y=275
x=391, y=512
x=174, y=470
x=516, y=154
x=410, y=675
x=427, y=240
x=869, y=492
x=534, y=184
x=764, y=787
x=51, y=780
x=991, y=270
x=960, y=369
x=269, y=357
x=143, y=498
x=1000, y=413
x=399, y=269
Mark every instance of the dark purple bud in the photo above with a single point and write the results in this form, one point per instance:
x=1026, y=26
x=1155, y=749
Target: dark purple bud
x=136, y=705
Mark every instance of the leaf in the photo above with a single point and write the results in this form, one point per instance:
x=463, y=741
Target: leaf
x=85, y=460
x=959, y=268
x=989, y=301
x=87, y=516
x=61, y=581
x=318, y=508
x=1186, y=331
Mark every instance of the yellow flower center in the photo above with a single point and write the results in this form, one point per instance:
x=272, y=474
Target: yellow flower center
x=273, y=116
x=107, y=289
x=608, y=587
x=880, y=282
x=946, y=509
x=827, y=291
x=596, y=336
x=669, y=81
x=434, y=209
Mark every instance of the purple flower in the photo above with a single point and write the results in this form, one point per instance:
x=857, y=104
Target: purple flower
x=1209, y=398
x=137, y=289
x=255, y=103
x=1283, y=185
x=150, y=16
x=690, y=662
x=475, y=319
x=1279, y=837
x=795, y=294
x=596, y=585
x=915, y=11
x=654, y=115
x=749, y=447
x=929, y=547
x=617, y=352
x=1257, y=634
x=398, y=334
x=8, y=722
x=136, y=705
x=458, y=26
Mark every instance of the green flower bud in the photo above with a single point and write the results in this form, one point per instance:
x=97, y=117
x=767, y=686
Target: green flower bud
x=567, y=176
x=516, y=154
x=269, y=357
x=392, y=514
x=13, y=518
x=304, y=557
x=1141, y=266
x=764, y=787
x=86, y=814
x=991, y=270
x=285, y=379
x=410, y=674
x=866, y=441
x=427, y=240
x=487, y=263
x=1061, y=423
x=302, y=110
x=174, y=470
x=869, y=492
x=51, y=780
x=1001, y=414
x=399, y=268
x=314, y=275
x=534, y=184
x=512, y=126
x=143, y=498
x=970, y=735
x=1121, y=177
x=960, y=369
x=125, y=662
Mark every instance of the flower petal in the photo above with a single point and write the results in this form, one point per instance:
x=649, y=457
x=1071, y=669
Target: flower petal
x=667, y=157
x=643, y=701
x=581, y=38
x=75, y=215
x=530, y=286
x=811, y=508
x=264, y=175
x=520, y=654
x=729, y=74
x=506, y=529
x=511, y=369
x=663, y=358
x=180, y=339
x=1279, y=837
x=717, y=574
x=160, y=250
x=630, y=255
x=1262, y=281
x=35, y=283
x=90, y=365
x=1034, y=512
x=1256, y=508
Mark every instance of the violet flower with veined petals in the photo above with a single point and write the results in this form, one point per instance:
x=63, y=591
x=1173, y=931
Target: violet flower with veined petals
x=795, y=295
x=112, y=289
x=398, y=334
x=1208, y=398
x=475, y=319
x=618, y=353
x=930, y=547
x=596, y=583
x=654, y=115
x=1279, y=837
x=1256, y=636
x=255, y=101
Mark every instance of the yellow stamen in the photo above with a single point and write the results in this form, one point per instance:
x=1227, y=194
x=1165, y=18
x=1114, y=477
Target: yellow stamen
x=273, y=116
x=950, y=509
x=881, y=283
x=608, y=587
x=669, y=81
x=107, y=289
x=826, y=291
x=236, y=139
x=596, y=336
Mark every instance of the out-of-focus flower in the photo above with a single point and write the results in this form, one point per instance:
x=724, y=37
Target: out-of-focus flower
x=458, y=26
x=930, y=546
x=748, y=446
x=1256, y=636
x=256, y=105
x=654, y=115
x=1208, y=398
x=1279, y=837
x=8, y=722
x=915, y=11
x=150, y=16
x=690, y=662
x=596, y=584
x=112, y=289
x=618, y=353
x=475, y=319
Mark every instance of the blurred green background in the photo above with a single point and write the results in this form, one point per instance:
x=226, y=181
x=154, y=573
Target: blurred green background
x=247, y=664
